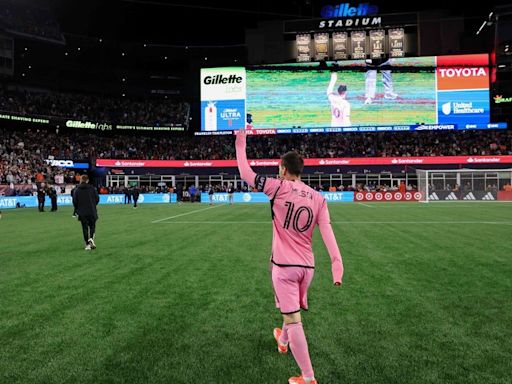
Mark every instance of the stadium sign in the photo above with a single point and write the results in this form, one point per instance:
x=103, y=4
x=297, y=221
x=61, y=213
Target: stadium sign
x=60, y=163
x=348, y=161
x=387, y=196
x=498, y=99
x=343, y=15
x=66, y=164
x=345, y=10
x=88, y=125
x=26, y=119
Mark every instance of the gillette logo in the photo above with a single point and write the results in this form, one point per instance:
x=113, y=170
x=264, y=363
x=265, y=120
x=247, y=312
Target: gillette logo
x=220, y=79
x=345, y=10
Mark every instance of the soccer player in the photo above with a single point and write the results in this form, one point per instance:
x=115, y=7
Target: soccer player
x=296, y=210
x=340, y=107
x=85, y=200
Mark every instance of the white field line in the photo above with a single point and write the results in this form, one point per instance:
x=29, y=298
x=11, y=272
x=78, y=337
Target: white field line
x=183, y=214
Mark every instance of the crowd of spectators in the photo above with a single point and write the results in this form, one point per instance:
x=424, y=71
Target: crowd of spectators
x=67, y=144
x=23, y=17
x=23, y=154
x=23, y=160
x=95, y=108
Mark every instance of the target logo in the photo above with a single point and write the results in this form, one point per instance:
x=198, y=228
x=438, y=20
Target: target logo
x=398, y=196
x=417, y=196
x=369, y=196
x=359, y=196
x=378, y=196
x=408, y=196
x=388, y=196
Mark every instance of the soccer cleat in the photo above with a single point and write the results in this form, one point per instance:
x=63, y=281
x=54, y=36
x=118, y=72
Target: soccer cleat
x=390, y=95
x=281, y=348
x=301, y=380
x=88, y=247
x=91, y=243
x=368, y=100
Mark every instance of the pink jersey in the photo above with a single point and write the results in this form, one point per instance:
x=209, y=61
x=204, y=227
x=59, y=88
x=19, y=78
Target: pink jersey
x=296, y=210
x=340, y=111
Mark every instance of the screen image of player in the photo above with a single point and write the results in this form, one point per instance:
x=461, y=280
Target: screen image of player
x=378, y=92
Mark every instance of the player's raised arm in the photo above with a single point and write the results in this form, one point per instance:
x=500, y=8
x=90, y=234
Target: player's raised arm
x=330, y=88
x=246, y=172
x=324, y=224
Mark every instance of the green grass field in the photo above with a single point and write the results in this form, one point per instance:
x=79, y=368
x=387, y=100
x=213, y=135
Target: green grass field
x=427, y=296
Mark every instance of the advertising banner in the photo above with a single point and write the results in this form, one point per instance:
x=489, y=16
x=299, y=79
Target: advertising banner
x=223, y=93
x=387, y=196
x=66, y=200
x=468, y=160
x=260, y=197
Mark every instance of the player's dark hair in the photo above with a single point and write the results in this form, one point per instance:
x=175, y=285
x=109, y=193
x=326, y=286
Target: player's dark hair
x=293, y=162
x=342, y=89
x=84, y=179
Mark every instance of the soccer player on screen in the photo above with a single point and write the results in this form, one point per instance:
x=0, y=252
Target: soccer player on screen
x=296, y=210
x=340, y=107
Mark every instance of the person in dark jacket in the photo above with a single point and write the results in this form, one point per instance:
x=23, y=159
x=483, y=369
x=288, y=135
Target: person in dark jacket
x=52, y=193
x=40, y=198
x=85, y=200
x=127, y=195
x=135, y=194
x=72, y=195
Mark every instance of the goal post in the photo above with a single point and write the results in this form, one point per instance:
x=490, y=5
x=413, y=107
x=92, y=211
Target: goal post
x=462, y=184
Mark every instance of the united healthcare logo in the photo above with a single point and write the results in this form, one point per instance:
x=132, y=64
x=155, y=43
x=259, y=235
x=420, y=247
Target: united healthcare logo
x=460, y=108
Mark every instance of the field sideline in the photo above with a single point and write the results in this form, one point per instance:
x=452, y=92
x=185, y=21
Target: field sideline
x=182, y=294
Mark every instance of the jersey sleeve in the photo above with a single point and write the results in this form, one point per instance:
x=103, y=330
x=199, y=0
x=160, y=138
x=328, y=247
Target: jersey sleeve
x=324, y=224
x=268, y=185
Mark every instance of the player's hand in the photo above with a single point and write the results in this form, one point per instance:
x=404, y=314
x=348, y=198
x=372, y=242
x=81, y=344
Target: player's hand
x=241, y=132
x=334, y=76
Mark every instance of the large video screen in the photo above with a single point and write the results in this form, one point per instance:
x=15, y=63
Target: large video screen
x=422, y=93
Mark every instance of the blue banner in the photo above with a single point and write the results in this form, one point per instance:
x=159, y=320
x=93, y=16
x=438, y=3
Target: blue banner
x=463, y=107
x=144, y=198
x=238, y=197
x=260, y=197
x=222, y=115
x=66, y=200
x=338, y=197
x=461, y=125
